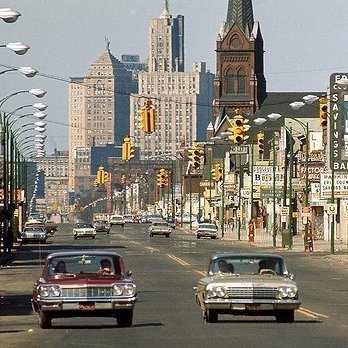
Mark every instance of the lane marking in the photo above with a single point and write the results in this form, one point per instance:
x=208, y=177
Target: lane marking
x=313, y=313
x=178, y=260
x=200, y=272
x=307, y=314
x=151, y=248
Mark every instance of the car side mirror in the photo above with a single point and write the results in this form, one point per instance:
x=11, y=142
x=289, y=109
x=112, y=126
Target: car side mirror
x=129, y=273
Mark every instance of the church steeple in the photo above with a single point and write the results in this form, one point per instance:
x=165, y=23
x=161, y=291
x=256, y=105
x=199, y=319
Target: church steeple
x=165, y=13
x=241, y=13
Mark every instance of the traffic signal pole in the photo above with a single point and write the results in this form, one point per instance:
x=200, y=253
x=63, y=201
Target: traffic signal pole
x=240, y=194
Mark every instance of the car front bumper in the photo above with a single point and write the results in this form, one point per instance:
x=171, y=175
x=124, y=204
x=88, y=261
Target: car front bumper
x=206, y=234
x=251, y=304
x=85, y=304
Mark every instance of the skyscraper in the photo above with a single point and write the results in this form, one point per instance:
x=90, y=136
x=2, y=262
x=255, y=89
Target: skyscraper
x=99, y=107
x=182, y=99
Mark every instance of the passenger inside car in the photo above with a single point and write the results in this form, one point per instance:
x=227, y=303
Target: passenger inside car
x=225, y=267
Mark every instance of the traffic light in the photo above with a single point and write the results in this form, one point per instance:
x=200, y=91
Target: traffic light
x=217, y=172
x=95, y=183
x=123, y=179
x=106, y=177
x=323, y=111
x=100, y=175
x=127, y=149
x=261, y=142
x=195, y=155
x=162, y=178
x=238, y=128
x=147, y=118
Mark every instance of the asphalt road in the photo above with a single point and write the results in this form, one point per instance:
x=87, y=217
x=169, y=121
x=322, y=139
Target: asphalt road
x=166, y=315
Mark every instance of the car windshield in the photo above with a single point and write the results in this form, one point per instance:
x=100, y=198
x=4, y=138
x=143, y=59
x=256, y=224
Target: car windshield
x=160, y=224
x=209, y=226
x=34, y=230
x=82, y=264
x=100, y=222
x=248, y=265
x=116, y=217
x=83, y=225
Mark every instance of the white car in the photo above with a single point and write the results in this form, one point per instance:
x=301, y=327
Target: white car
x=160, y=227
x=116, y=220
x=34, y=234
x=207, y=230
x=83, y=229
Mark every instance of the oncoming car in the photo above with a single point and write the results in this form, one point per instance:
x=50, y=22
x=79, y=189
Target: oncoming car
x=207, y=230
x=34, y=233
x=248, y=284
x=84, y=284
x=160, y=227
x=83, y=229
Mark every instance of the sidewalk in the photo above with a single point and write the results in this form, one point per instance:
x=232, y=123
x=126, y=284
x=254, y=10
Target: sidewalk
x=265, y=240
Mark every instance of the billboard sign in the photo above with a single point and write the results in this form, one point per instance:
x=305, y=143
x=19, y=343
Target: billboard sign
x=339, y=117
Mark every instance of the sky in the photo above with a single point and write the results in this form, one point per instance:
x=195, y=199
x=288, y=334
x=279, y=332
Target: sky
x=305, y=42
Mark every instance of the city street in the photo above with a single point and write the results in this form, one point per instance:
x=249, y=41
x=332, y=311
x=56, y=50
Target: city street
x=165, y=271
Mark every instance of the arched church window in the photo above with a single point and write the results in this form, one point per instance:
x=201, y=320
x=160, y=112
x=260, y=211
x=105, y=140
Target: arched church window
x=230, y=78
x=241, y=81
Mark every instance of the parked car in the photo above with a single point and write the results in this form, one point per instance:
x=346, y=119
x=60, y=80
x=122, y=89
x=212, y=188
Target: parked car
x=116, y=220
x=248, y=284
x=84, y=283
x=207, y=230
x=34, y=234
x=159, y=227
x=83, y=229
x=102, y=226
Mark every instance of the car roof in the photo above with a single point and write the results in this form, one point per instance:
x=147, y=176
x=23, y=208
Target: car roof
x=82, y=252
x=256, y=255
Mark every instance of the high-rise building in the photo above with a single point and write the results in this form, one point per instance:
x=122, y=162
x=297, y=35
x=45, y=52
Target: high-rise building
x=182, y=99
x=99, y=106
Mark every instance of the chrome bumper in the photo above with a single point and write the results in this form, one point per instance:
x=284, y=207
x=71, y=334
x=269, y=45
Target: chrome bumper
x=246, y=304
x=80, y=304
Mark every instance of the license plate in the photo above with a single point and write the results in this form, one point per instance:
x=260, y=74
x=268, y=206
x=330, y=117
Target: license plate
x=87, y=306
x=252, y=307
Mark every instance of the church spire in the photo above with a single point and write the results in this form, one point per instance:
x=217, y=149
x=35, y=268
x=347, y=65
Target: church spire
x=165, y=13
x=241, y=13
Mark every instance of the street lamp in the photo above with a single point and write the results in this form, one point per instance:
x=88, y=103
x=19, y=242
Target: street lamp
x=9, y=15
x=17, y=47
x=28, y=71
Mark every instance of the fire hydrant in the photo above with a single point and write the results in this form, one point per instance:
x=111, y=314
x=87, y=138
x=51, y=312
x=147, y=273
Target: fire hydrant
x=251, y=231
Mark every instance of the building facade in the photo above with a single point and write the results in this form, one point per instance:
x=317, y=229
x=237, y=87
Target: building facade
x=99, y=107
x=182, y=99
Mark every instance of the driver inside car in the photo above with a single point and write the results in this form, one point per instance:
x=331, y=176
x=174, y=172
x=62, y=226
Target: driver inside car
x=267, y=265
x=225, y=267
x=105, y=266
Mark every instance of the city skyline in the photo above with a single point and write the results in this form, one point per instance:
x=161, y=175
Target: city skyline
x=291, y=64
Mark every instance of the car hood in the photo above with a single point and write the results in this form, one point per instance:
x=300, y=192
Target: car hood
x=249, y=280
x=85, y=280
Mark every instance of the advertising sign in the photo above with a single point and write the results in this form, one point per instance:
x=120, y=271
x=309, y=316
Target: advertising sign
x=266, y=179
x=313, y=172
x=339, y=116
x=340, y=185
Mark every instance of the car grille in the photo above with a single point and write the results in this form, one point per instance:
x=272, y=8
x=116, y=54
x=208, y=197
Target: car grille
x=87, y=292
x=252, y=292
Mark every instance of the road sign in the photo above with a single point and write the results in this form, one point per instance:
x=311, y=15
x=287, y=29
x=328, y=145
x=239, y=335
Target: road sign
x=239, y=150
x=340, y=185
x=229, y=186
x=207, y=183
x=331, y=209
x=285, y=211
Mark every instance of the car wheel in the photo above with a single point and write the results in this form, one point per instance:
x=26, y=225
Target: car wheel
x=151, y=235
x=213, y=237
x=125, y=319
x=45, y=321
x=198, y=237
x=286, y=316
x=167, y=235
x=211, y=316
x=75, y=237
x=108, y=232
x=93, y=237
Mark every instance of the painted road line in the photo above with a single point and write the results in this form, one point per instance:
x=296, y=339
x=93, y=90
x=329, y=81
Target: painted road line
x=178, y=260
x=200, y=272
x=313, y=313
x=151, y=248
x=307, y=314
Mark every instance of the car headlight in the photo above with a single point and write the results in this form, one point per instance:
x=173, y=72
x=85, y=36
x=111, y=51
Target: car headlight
x=218, y=291
x=129, y=290
x=49, y=291
x=287, y=292
x=117, y=290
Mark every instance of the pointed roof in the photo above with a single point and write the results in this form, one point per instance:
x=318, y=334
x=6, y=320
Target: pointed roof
x=239, y=12
x=165, y=13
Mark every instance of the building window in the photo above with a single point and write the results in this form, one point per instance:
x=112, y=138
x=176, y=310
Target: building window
x=241, y=85
x=230, y=78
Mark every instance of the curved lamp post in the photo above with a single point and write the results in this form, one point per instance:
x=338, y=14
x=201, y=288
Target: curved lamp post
x=17, y=47
x=9, y=15
x=28, y=71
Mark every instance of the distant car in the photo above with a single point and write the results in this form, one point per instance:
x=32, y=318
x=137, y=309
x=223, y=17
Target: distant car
x=207, y=230
x=51, y=227
x=248, y=284
x=186, y=218
x=116, y=220
x=83, y=230
x=130, y=219
x=159, y=228
x=171, y=222
x=150, y=218
x=84, y=284
x=102, y=226
x=34, y=234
